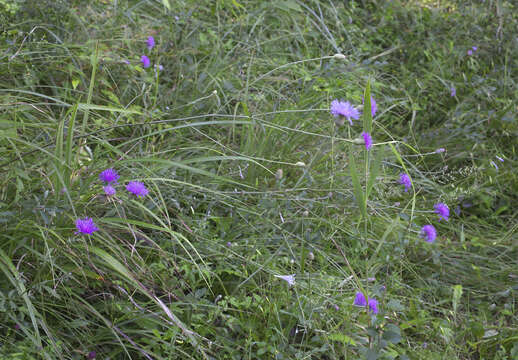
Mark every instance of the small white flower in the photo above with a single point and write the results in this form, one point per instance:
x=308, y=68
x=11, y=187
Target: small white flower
x=290, y=279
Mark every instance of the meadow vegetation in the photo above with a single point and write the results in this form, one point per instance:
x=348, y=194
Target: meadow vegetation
x=245, y=220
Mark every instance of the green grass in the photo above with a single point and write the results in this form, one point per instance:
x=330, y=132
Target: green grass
x=249, y=178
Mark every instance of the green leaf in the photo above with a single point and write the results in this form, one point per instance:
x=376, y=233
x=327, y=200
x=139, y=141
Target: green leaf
x=166, y=4
x=457, y=293
x=357, y=190
x=342, y=338
x=392, y=333
x=374, y=169
x=367, y=115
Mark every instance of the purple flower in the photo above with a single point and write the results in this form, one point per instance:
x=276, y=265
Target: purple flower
x=85, y=226
x=344, y=109
x=109, y=190
x=429, y=233
x=374, y=106
x=16, y=326
x=126, y=62
x=92, y=355
x=373, y=305
x=359, y=299
x=470, y=52
x=440, y=150
x=290, y=279
x=457, y=210
x=145, y=61
x=150, y=42
x=160, y=67
x=442, y=210
x=475, y=48
x=404, y=179
x=368, y=140
x=499, y=158
x=137, y=188
x=494, y=164
x=453, y=91
x=109, y=176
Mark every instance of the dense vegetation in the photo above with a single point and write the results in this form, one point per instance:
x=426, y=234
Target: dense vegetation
x=250, y=180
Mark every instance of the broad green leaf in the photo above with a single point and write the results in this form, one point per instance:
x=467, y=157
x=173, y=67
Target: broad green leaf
x=357, y=190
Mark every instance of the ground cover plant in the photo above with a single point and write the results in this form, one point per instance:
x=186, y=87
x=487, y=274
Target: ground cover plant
x=258, y=180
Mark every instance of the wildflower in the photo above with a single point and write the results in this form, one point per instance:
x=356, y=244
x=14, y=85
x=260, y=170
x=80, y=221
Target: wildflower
x=92, y=355
x=373, y=305
x=499, y=158
x=109, y=190
x=470, y=52
x=475, y=48
x=368, y=140
x=126, y=62
x=137, y=188
x=229, y=244
x=442, y=210
x=453, y=91
x=85, y=226
x=159, y=67
x=290, y=279
x=344, y=110
x=440, y=150
x=359, y=299
x=494, y=164
x=404, y=179
x=150, y=42
x=374, y=106
x=145, y=61
x=429, y=233
x=109, y=176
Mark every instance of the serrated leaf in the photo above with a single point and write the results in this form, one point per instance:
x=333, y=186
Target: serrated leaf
x=342, y=338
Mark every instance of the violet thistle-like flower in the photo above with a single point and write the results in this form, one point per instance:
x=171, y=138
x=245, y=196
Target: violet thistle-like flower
x=85, y=226
x=474, y=48
x=429, y=233
x=290, y=279
x=373, y=305
x=137, y=188
x=404, y=179
x=109, y=190
x=359, y=299
x=109, y=176
x=374, y=106
x=470, y=52
x=442, y=210
x=344, y=110
x=145, y=61
x=150, y=43
x=368, y=140
x=453, y=91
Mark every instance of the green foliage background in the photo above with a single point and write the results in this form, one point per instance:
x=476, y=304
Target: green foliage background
x=249, y=178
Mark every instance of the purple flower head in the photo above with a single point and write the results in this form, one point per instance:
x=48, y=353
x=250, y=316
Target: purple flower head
x=145, y=61
x=442, y=210
x=16, y=326
x=109, y=176
x=429, y=233
x=494, y=164
x=475, y=48
x=126, y=62
x=470, y=52
x=92, y=355
x=373, y=305
x=290, y=279
x=404, y=179
x=359, y=299
x=453, y=91
x=137, y=188
x=150, y=42
x=440, y=150
x=374, y=106
x=499, y=158
x=344, y=109
x=109, y=190
x=368, y=140
x=85, y=226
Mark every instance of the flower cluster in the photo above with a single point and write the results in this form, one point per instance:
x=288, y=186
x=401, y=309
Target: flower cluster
x=360, y=300
x=110, y=178
x=144, y=59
